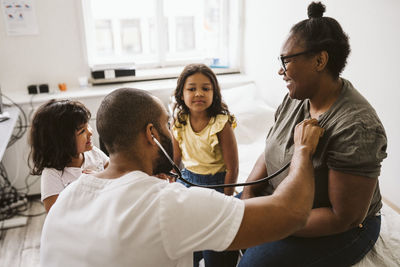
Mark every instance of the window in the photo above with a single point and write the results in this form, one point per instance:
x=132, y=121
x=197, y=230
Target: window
x=161, y=33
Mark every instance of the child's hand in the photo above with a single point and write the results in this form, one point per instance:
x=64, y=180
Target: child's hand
x=167, y=177
x=89, y=171
x=229, y=191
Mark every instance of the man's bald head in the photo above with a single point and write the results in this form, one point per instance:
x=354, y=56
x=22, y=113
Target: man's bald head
x=123, y=114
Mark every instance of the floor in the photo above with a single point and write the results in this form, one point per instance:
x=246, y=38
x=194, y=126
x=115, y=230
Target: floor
x=20, y=246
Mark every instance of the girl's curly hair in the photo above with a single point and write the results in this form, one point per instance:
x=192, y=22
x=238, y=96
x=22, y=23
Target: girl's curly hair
x=217, y=107
x=52, y=135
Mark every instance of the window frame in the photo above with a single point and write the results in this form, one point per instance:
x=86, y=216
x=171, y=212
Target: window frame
x=234, y=41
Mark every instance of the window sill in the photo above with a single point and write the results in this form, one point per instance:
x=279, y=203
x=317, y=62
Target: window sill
x=157, y=74
x=159, y=86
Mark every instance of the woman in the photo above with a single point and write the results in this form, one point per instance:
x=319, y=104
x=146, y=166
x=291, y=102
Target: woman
x=345, y=222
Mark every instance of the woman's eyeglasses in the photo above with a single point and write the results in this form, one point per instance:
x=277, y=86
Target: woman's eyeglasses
x=283, y=58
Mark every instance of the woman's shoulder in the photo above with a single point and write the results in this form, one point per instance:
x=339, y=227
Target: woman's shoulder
x=352, y=97
x=353, y=120
x=354, y=109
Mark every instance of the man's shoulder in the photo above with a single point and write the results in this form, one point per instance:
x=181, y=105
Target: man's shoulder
x=176, y=192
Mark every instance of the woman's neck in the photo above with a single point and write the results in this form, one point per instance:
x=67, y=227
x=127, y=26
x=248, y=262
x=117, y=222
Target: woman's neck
x=77, y=161
x=325, y=97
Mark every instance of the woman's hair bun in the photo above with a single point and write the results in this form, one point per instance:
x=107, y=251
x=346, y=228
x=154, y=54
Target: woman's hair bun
x=315, y=10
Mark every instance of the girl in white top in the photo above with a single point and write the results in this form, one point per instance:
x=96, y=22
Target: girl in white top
x=203, y=129
x=61, y=147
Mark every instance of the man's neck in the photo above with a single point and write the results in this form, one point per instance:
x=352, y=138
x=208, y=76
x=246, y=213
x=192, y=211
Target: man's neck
x=120, y=165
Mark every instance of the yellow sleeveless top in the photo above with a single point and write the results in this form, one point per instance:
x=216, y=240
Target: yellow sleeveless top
x=201, y=152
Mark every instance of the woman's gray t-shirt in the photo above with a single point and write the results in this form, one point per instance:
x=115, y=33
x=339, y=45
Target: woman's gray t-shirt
x=354, y=142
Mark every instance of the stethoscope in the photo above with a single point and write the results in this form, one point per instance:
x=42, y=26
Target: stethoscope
x=178, y=174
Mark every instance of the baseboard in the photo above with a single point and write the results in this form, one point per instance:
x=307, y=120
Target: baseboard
x=13, y=222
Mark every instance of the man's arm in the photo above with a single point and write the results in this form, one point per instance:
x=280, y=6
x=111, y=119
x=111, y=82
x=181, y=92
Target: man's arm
x=274, y=217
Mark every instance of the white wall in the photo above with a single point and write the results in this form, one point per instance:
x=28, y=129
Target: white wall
x=373, y=65
x=55, y=55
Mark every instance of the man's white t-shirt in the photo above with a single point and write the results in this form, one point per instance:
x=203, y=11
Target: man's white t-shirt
x=54, y=181
x=136, y=220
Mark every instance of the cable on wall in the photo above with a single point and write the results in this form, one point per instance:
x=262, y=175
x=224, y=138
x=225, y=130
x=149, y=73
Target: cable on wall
x=12, y=200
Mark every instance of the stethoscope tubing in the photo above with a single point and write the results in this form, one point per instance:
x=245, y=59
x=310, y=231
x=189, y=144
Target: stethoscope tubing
x=178, y=174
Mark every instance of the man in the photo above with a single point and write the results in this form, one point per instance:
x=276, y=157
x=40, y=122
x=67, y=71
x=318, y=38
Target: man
x=124, y=216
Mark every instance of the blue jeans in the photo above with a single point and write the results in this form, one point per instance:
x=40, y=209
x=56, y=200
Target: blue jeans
x=344, y=249
x=210, y=179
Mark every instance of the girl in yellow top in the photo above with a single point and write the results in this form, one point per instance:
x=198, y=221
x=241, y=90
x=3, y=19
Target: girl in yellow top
x=203, y=130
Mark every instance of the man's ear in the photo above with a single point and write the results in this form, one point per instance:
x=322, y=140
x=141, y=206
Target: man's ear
x=150, y=133
x=322, y=60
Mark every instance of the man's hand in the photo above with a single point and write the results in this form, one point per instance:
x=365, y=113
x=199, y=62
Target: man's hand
x=307, y=134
